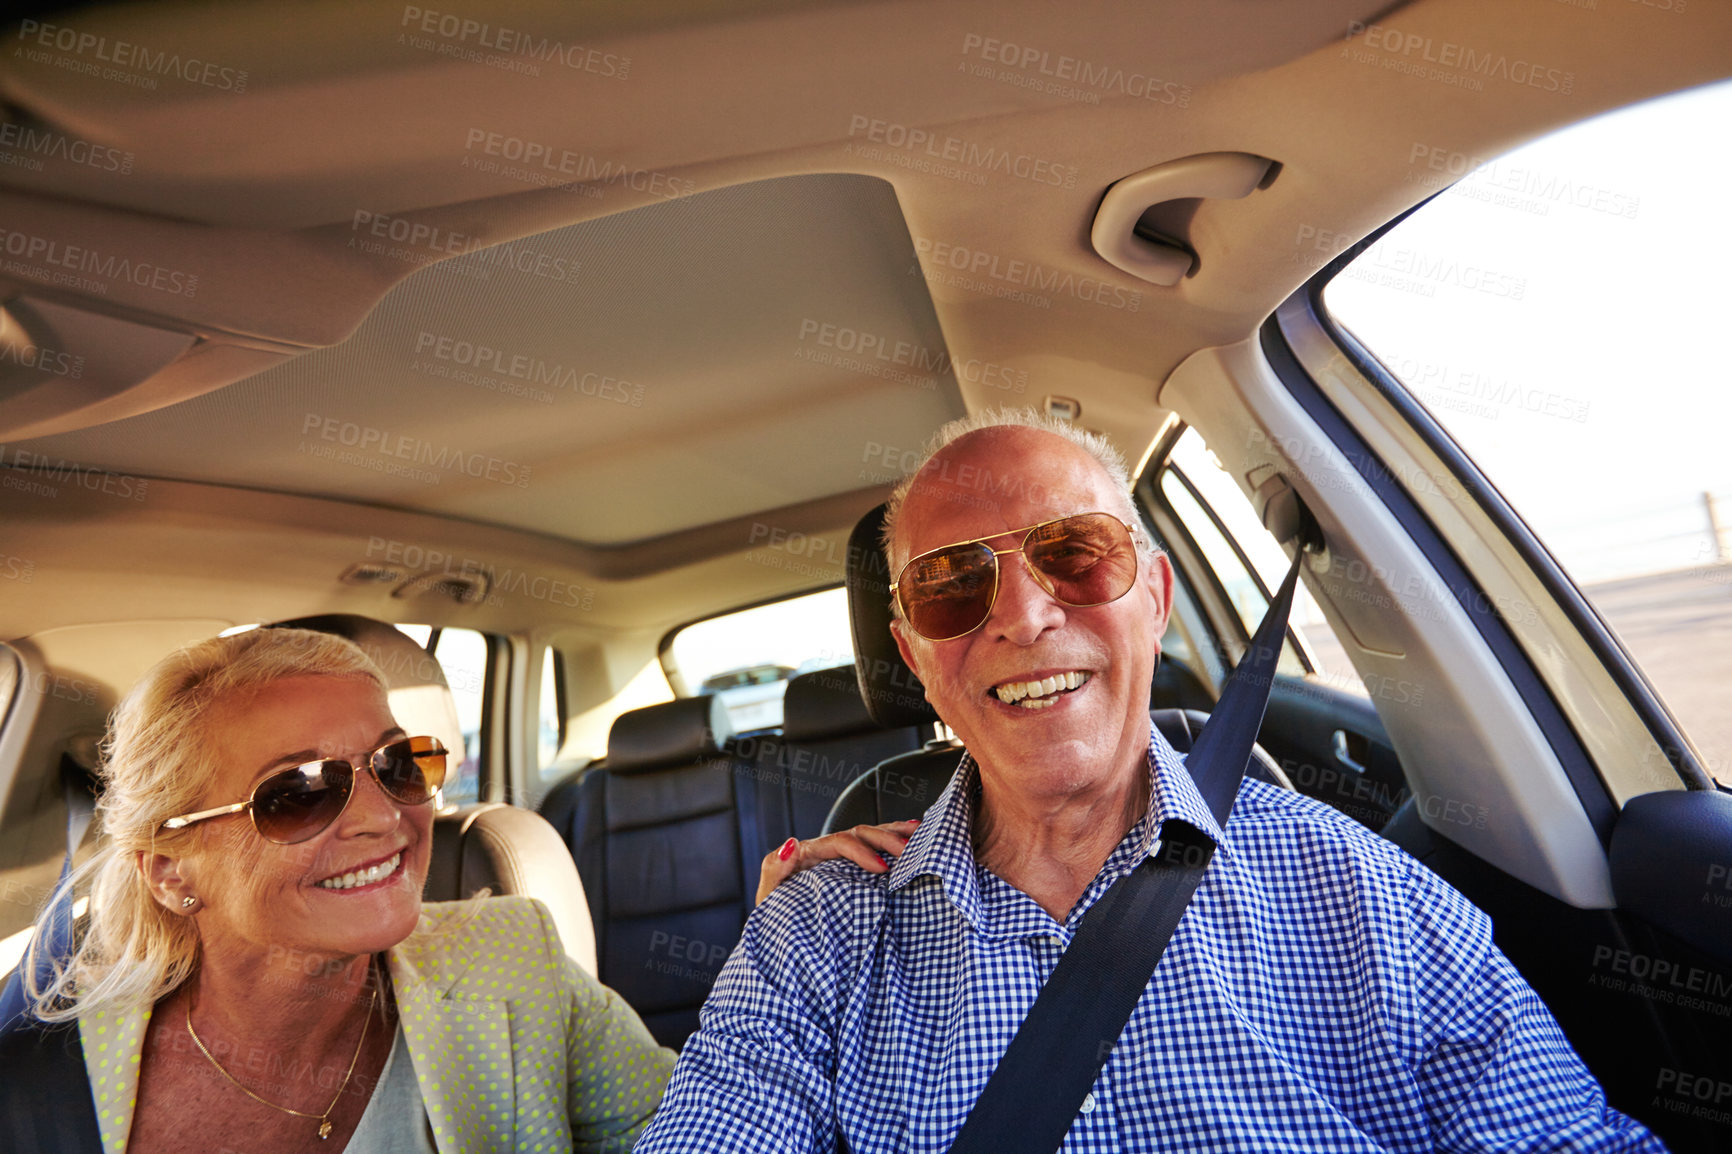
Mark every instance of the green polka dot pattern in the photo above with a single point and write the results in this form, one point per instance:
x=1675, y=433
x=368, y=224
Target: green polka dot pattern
x=515, y=1047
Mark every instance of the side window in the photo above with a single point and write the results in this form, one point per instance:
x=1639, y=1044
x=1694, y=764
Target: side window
x=1559, y=311
x=8, y=681
x=747, y=657
x=1243, y=560
x=462, y=655
x=550, y=731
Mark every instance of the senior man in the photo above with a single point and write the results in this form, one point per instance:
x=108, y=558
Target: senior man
x=1322, y=991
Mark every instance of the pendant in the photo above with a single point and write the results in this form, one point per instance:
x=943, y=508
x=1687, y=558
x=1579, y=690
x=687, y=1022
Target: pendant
x=324, y=1128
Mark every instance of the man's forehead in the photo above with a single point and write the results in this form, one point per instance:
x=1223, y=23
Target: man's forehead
x=1002, y=478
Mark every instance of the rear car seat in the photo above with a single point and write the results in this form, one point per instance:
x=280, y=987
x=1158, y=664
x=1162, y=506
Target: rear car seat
x=828, y=739
x=663, y=832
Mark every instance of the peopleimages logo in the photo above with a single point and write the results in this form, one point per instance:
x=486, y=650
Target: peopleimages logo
x=462, y=34
x=76, y=259
x=1070, y=76
x=44, y=142
x=147, y=62
x=392, y=453
x=523, y=367
x=1451, y=63
x=547, y=162
x=955, y=150
x=1014, y=278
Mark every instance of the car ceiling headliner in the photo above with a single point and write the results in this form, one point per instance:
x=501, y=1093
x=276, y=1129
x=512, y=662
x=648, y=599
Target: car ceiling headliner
x=700, y=308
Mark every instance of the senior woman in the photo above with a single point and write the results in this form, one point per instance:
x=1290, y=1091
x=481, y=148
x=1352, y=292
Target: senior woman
x=260, y=973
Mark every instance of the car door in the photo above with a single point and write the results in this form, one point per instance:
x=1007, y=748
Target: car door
x=1468, y=358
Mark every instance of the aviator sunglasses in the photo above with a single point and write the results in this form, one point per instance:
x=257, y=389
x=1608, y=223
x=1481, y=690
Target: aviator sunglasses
x=1083, y=560
x=293, y=805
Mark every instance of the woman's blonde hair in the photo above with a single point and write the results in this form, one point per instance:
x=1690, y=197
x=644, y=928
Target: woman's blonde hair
x=156, y=762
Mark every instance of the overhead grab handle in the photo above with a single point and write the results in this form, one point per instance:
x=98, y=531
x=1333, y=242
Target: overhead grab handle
x=1165, y=261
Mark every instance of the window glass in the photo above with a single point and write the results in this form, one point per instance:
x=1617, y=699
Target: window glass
x=8, y=680
x=747, y=657
x=1192, y=462
x=462, y=655
x=1560, y=312
x=551, y=729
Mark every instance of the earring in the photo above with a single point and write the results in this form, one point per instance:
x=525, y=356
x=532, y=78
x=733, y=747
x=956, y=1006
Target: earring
x=188, y=902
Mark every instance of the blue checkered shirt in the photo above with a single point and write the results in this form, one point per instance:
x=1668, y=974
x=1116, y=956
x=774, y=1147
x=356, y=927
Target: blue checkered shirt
x=1324, y=991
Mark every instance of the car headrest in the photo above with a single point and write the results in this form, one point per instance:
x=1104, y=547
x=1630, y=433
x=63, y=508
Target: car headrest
x=672, y=733
x=824, y=703
x=415, y=684
x=511, y=851
x=894, y=696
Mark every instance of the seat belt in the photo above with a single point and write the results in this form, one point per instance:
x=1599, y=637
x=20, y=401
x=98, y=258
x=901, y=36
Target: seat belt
x=1032, y=1097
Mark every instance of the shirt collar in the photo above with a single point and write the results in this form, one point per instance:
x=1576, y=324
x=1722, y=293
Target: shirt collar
x=942, y=846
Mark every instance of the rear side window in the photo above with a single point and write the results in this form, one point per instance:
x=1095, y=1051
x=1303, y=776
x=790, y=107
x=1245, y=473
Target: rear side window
x=8, y=682
x=550, y=731
x=1227, y=532
x=462, y=656
x=746, y=658
x=1560, y=311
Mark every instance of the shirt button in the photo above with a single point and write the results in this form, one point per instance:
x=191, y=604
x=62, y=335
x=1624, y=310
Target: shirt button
x=1088, y=1105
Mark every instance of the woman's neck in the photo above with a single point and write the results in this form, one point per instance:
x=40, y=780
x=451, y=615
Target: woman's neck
x=284, y=1004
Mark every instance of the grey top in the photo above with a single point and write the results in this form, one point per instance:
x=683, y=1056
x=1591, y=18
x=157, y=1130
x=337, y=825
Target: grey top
x=395, y=1121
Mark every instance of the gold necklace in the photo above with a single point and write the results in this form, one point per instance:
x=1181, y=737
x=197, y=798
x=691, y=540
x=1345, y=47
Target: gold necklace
x=325, y=1118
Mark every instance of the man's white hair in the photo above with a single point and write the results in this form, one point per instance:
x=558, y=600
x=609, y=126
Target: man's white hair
x=1095, y=445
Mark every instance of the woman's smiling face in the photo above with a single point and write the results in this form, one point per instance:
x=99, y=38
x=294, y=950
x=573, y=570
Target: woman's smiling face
x=257, y=897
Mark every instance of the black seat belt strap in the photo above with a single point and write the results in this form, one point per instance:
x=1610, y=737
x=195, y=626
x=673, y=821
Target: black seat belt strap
x=1032, y=1097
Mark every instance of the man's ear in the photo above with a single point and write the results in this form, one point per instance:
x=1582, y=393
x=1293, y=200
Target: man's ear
x=163, y=874
x=902, y=646
x=1159, y=577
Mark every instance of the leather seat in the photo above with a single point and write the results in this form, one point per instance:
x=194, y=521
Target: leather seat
x=492, y=846
x=509, y=850
x=664, y=832
x=828, y=740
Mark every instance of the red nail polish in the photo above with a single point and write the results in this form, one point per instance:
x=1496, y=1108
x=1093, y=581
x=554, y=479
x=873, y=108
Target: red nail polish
x=789, y=848
x=915, y=820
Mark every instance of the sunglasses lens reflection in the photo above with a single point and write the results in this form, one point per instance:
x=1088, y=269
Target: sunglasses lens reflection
x=411, y=770
x=949, y=592
x=298, y=803
x=1086, y=560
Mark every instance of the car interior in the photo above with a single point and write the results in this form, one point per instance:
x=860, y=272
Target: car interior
x=554, y=330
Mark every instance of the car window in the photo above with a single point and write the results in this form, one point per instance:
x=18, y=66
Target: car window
x=1558, y=310
x=747, y=657
x=550, y=728
x=8, y=681
x=462, y=655
x=1220, y=520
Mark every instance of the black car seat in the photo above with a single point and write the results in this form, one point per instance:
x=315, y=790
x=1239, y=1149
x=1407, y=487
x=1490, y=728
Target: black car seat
x=661, y=831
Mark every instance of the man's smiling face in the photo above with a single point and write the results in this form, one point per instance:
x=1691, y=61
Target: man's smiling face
x=1056, y=742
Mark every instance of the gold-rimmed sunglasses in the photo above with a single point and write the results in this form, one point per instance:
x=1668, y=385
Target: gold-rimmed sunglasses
x=295, y=804
x=1082, y=560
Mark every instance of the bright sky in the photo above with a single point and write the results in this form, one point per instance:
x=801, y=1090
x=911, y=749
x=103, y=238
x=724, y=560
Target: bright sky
x=788, y=633
x=1622, y=287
